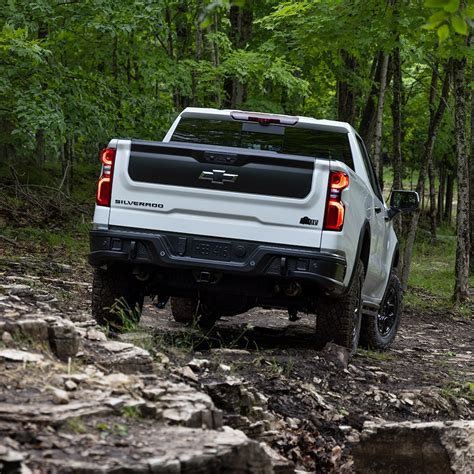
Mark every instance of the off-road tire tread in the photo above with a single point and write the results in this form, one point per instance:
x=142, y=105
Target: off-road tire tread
x=109, y=286
x=184, y=310
x=334, y=319
x=370, y=338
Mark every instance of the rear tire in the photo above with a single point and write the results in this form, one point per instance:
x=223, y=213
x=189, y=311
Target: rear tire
x=117, y=299
x=183, y=309
x=338, y=319
x=379, y=331
x=186, y=311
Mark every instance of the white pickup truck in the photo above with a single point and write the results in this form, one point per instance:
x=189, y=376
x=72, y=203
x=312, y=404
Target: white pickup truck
x=236, y=209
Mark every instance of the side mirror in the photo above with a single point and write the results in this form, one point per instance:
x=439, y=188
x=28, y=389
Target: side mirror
x=402, y=201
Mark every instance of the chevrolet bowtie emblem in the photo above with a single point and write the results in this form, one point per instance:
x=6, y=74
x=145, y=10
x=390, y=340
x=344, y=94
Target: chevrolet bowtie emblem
x=218, y=176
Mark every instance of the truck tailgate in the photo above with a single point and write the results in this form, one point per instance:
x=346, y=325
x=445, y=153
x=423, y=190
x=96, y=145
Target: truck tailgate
x=215, y=191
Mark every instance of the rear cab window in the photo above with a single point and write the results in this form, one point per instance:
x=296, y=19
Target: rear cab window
x=268, y=137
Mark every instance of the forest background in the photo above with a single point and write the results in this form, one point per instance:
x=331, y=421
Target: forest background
x=76, y=73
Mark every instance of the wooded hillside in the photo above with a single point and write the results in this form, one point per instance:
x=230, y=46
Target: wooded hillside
x=74, y=74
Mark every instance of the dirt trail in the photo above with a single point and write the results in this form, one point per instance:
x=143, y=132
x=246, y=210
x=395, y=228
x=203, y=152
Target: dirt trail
x=426, y=375
x=261, y=370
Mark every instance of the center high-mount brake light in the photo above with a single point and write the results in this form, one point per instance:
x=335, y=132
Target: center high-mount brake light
x=104, y=185
x=264, y=119
x=334, y=218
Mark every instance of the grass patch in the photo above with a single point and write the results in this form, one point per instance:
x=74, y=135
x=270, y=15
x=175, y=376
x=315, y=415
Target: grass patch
x=431, y=281
x=456, y=390
x=131, y=412
x=374, y=355
x=72, y=242
x=114, y=429
x=129, y=317
x=76, y=425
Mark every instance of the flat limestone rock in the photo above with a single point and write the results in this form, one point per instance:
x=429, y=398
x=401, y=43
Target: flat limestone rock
x=63, y=339
x=171, y=450
x=183, y=405
x=59, y=333
x=51, y=413
x=432, y=447
x=20, y=356
x=120, y=356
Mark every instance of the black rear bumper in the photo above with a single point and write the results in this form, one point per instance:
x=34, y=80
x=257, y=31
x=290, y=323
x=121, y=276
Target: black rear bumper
x=206, y=255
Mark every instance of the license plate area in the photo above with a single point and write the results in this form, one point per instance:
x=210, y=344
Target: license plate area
x=211, y=250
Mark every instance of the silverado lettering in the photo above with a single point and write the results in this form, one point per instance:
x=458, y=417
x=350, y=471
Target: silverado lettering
x=139, y=203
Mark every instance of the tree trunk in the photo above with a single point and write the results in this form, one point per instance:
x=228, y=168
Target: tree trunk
x=471, y=172
x=448, y=208
x=198, y=57
x=66, y=166
x=397, y=162
x=433, y=223
x=40, y=148
x=435, y=122
x=367, y=123
x=346, y=96
x=241, y=20
x=461, y=286
x=441, y=190
x=216, y=57
x=378, y=163
x=431, y=176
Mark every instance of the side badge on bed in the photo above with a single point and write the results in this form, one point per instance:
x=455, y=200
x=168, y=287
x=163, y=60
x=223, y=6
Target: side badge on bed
x=307, y=221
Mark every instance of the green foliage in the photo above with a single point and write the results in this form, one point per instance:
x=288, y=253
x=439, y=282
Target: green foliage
x=450, y=17
x=75, y=74
x=81, y=73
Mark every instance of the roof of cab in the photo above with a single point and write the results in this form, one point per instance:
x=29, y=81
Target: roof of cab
x=320, y=124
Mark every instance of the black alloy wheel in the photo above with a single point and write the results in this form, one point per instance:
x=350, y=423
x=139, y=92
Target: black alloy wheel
x=379, y=330
x=387, y=315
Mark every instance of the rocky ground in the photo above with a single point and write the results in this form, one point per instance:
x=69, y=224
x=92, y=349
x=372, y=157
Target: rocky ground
x=249, y=396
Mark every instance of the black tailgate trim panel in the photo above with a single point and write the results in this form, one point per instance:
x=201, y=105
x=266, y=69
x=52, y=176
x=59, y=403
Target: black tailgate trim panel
x=258, y=172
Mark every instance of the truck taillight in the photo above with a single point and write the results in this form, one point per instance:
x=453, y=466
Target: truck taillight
x=104, y=185
x=334, y=218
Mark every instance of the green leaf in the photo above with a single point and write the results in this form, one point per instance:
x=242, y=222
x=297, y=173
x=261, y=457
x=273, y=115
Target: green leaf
x=459, y=25
x=452, y=6
x=443, y=33
x=438, y=17
x=435, y=20
x=470, y=11
x=435, y=3
x=206, y=22
x=431, y=26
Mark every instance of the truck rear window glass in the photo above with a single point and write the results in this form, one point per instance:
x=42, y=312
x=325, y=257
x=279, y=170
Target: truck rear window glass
x=288, y=140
